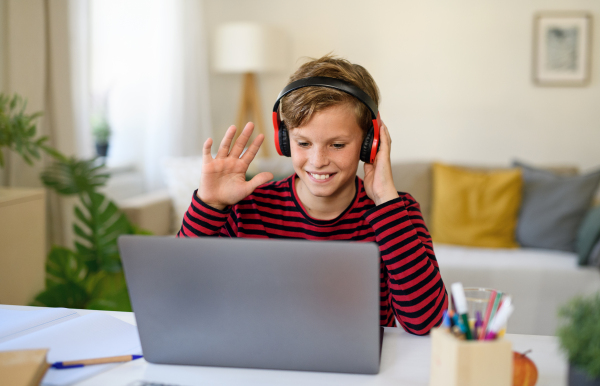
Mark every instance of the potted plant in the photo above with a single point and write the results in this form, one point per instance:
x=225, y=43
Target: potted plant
x=579, y=337
x=22, y=209
x=101, y=133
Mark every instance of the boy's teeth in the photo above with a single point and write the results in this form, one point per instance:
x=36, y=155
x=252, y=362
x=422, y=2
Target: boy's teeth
x=320, y=176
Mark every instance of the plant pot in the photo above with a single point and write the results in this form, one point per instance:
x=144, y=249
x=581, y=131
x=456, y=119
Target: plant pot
x=102, y=149
x=578, y=377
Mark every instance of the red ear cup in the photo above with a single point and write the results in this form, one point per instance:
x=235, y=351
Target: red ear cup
x=276, y=136
x=376, y=141
x=282, y=140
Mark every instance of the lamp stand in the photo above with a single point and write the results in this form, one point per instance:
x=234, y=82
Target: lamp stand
x=250, y=106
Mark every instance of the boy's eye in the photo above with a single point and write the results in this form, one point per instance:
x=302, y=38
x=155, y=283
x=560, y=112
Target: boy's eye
x=303, y=144
x=338, y=145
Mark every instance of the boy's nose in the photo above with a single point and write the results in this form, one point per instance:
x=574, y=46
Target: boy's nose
x=319, y=158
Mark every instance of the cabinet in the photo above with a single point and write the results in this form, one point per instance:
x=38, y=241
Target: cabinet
x=22, y=244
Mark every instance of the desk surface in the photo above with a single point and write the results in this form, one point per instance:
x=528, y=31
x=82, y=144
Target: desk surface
x=404, y=361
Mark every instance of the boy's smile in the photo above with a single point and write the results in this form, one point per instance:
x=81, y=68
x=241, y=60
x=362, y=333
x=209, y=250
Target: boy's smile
x=325, y=154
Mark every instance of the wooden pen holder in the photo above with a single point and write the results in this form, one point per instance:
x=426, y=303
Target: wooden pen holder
x=456, y=362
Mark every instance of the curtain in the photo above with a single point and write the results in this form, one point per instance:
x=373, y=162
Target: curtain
x=42, y=62
x=149, y=65
x=48, y=51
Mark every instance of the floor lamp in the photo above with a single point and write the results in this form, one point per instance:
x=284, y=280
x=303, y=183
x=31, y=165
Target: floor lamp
x=249, y=49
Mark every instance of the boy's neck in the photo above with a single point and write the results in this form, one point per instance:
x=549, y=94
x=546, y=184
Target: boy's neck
x=325, y=208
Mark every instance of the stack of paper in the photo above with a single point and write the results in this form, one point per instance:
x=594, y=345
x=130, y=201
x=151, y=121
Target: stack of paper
x=94, y=335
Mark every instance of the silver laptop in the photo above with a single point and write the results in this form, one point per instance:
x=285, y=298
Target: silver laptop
x=272, y=304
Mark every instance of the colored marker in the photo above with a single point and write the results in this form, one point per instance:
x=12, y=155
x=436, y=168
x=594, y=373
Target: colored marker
x=446, y=320
x=488, y=313
x=494, y=309
x=500, y=319
x=460, y=300
x=478, y=324
x=96, y=361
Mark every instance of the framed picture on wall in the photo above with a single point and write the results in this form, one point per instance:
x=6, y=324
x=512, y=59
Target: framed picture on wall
x=562, y=44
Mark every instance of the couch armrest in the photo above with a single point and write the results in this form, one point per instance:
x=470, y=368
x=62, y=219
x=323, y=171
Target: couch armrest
x=150, y=211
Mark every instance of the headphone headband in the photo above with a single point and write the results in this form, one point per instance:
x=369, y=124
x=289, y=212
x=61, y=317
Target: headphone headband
x=322, y=81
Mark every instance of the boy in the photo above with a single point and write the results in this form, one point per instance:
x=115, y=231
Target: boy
x=324, y=199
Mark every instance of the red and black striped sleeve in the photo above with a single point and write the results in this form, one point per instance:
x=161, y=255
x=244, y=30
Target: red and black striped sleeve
x=417, y=296
x=202, y=220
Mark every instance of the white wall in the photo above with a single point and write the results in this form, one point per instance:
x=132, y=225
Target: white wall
x=454, y=75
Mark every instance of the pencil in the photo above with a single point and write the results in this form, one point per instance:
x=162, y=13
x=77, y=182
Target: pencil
x=95, y=361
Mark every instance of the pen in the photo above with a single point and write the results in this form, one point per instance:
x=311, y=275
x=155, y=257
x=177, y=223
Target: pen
x=488, y=313
x=96, y=361
x=460, y=301
x=500, y=319
x=494, y=310
x=478, y=324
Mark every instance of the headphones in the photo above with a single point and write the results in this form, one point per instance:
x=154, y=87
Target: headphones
x=370, y=144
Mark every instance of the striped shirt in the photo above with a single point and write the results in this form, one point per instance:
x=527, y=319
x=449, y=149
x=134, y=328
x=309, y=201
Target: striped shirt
x=412, y=290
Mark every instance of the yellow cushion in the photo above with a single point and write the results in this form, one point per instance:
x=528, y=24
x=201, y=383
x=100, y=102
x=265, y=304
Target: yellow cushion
x=475, y=208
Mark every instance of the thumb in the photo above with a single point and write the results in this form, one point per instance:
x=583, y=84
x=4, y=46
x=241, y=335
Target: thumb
x=260, y=179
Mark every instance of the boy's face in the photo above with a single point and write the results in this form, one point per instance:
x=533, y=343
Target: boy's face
x=325, y=152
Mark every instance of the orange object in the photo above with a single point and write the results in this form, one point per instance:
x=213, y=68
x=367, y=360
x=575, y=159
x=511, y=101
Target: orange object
x=525, y=372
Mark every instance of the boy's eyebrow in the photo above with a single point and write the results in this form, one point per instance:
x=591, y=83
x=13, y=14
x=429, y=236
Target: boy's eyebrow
x=342, y=137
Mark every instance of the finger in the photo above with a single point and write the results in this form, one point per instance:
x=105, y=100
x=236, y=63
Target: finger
x=240, y=143
x=260, y=179
x=253, y=149
x=206, y=156
x=385, y=141
x=226, y=142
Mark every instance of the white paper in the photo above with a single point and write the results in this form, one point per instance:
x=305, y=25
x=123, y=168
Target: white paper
x=15, y=323
x=94, y=335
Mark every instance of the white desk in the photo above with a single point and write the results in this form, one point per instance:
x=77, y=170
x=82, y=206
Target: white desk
x=404, y=361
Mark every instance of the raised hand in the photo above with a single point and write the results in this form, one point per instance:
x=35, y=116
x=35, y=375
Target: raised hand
x=223, y=181
x=379, y=183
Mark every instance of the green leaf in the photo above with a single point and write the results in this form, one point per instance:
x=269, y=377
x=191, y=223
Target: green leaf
x=65, y=280
x=67, y=295
x=64, y=266
x=18, y=129
x=110, y=293
x=81, y=217
x=73, y=176
x=579, y=333
x=81, y=233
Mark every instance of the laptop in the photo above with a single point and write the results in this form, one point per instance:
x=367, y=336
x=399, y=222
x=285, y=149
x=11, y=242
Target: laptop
x=269, y=304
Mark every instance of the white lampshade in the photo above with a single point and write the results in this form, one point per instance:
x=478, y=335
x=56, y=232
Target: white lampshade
x=249, y=47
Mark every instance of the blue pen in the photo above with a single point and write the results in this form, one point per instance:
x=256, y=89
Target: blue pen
x=97, y=361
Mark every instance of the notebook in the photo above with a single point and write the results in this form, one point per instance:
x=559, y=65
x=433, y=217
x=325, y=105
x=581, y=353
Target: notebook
x=68, y=336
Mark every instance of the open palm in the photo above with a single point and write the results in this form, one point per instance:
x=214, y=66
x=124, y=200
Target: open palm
x=223, y=180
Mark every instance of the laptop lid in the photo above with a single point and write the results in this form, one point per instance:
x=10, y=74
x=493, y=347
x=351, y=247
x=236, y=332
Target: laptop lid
x=274, y=304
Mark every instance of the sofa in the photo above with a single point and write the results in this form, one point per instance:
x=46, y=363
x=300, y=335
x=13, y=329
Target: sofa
x=539, y=280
